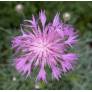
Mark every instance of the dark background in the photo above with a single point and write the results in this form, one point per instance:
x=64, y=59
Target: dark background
x=81, y=18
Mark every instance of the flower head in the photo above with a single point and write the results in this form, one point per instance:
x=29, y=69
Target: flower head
x=45, y=45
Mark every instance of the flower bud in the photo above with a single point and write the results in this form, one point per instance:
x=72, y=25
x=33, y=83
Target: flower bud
x=19, y=8
x=37, y=86
x=66, y=16
x=14, y=78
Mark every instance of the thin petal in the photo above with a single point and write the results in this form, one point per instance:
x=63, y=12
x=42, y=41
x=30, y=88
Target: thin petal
x=56, y=20
x=42, y=17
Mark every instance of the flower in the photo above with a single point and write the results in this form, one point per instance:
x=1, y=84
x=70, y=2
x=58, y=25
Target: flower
x=45, y=45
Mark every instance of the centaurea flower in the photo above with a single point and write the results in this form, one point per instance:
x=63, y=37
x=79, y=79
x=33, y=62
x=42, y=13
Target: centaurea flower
x=45, y=45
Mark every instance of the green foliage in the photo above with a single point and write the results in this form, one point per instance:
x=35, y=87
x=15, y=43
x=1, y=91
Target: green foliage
x=81, y=18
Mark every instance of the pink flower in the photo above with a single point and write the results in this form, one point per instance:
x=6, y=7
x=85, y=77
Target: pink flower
x=45, y=45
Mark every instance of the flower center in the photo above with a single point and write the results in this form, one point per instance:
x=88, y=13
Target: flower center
x=40, y=46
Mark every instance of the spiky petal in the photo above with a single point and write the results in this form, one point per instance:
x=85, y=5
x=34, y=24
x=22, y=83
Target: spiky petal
x=42, y=17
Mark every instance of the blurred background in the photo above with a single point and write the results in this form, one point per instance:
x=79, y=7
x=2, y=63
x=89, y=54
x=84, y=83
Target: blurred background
x=79, y=14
